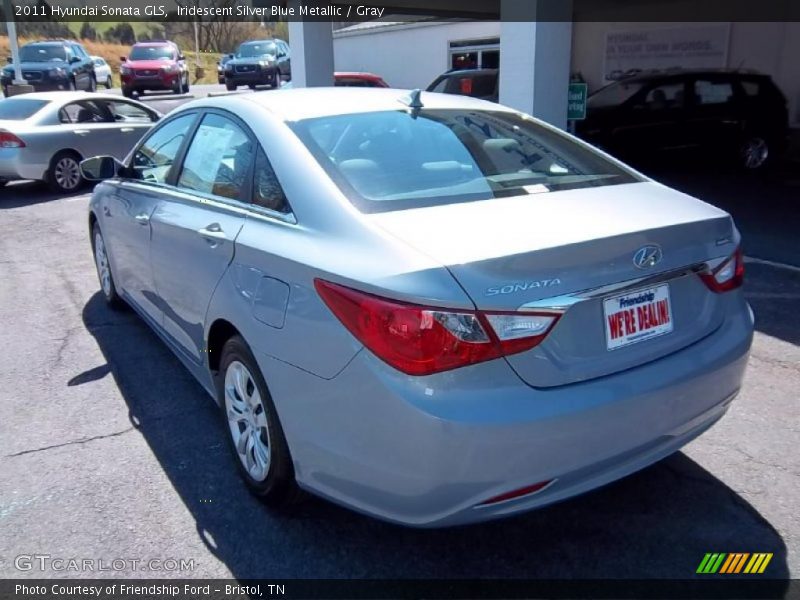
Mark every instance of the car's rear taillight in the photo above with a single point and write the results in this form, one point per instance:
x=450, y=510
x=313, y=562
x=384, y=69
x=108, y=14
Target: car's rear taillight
x=420, y=340
x=728, y=275
x=9, y=140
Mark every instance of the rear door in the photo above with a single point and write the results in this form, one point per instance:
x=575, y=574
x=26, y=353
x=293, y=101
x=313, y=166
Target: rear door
x=196, y=223
x=714, y=113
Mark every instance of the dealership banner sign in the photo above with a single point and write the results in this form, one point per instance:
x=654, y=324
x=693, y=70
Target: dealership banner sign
x=658, y=49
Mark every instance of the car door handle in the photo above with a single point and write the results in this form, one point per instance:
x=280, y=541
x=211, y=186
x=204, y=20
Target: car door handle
x=126, y=129
x=142, y=219
x=212, y=232
x=81, y=131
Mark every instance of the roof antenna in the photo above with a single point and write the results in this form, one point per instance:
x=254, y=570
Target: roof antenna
x=413, y=102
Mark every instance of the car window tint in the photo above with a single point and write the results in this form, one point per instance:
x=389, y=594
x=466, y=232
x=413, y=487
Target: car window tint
x=267, y=191
x=218, y=159
x=668, y=95
x=713, y=92
x=85, y=112
x=17, y=109
x=751, y=88
x=440, y=86
x=391, y=160
x=127, y=112
x=154, y=158
x=614, y=94
x=43, y=53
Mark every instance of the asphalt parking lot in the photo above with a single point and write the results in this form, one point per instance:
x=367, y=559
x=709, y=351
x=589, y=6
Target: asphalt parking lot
x=111, y=450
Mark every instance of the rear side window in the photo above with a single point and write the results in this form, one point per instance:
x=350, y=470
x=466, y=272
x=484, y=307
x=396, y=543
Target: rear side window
x=713, y=92
x=17, y=109
x=153, y=160
x=267, y=191
x=391, y=160
x=218, y=160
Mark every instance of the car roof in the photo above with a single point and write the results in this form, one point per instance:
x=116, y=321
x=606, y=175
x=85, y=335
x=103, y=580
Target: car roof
x=691, y=72
x=462, y=72
x=307, y=103
x=357, y=75
x=65, y=97
x=156, y=43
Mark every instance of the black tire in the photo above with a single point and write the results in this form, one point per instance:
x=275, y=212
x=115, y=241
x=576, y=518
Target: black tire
x=177, y=87
x=92, y=83
x=71, y=85
x=220, y=80
x=61, y=174
x=127, y=92
x=230, y=86
x=278, y=488
x=185, y=88
x=3, y=182
x=109, y=82
x=252, y=86
x=5, y=91
x=108, y=289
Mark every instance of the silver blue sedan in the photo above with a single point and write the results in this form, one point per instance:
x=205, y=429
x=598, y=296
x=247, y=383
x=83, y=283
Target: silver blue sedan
x=429, y=308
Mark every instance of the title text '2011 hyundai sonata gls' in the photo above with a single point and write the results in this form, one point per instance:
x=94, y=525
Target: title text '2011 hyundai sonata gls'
x=429, y=308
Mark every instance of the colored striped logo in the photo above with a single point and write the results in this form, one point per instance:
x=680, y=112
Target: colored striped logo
x=734, y=562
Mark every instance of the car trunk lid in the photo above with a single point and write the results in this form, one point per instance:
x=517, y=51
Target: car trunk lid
x=574, y=250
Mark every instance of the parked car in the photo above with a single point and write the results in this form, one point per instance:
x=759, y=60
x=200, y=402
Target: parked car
x=742, y=116
x=221, y=67
x=154, y=65
x=53, y=65
x=430, y=308
x=476, y=83
x=45, y=135
x=351, y=79
x=358, y=79
x=102, y=72
x=262, y=62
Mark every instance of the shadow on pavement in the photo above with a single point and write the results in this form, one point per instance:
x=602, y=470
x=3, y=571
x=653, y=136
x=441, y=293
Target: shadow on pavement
x=657, y=523
x=28, y=193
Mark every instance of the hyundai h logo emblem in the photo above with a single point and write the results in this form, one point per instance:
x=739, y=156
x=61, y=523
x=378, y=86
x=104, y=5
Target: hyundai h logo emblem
x=647, y=256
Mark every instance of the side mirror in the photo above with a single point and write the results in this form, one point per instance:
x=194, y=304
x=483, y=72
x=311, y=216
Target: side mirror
x=229, y=55
x=9, y=60
x=123, y=59
x=181, y=57
x=99, y=168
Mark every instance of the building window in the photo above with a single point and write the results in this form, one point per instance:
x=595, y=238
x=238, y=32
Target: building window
x=474, y=54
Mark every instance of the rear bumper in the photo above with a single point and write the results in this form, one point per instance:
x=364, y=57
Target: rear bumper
x=427, y=451
x=20, y=163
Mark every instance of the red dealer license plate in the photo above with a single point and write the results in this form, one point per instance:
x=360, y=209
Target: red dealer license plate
x=637, y=316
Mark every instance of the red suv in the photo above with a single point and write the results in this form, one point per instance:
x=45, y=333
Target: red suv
x=154, y=65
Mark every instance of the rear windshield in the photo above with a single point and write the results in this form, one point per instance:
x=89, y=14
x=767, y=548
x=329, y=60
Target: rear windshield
x=392, y=160
x=257, y=49
x=17, y=109
x=41, y=53
x=152, y=53
x=475, y=85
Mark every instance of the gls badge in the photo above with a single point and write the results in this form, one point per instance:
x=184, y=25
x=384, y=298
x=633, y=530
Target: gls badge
x=513, y=288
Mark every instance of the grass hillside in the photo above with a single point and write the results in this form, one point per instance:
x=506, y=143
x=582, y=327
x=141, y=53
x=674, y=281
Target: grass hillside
x=112, y=53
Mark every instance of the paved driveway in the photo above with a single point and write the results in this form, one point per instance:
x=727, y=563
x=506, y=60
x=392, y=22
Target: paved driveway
x=110, y=450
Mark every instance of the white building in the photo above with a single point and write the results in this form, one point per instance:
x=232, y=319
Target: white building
x=413, y=54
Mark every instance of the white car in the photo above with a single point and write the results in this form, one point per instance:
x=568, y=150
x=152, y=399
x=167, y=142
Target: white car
x=102, y=72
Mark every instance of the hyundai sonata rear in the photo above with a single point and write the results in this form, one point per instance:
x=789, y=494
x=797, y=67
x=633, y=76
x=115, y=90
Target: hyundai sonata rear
x=448, y=311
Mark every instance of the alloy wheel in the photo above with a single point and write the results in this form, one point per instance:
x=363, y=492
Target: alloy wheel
x=755, y=153
x=247, y=420
x=101, y=262
x=67, y=173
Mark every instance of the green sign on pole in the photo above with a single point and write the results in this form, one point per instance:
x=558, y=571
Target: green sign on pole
x=576, y=101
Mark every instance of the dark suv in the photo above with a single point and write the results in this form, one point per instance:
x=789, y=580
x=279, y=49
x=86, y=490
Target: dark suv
x=154, y=65
x=729, y=114
x=262, y=62
x=53, y=65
